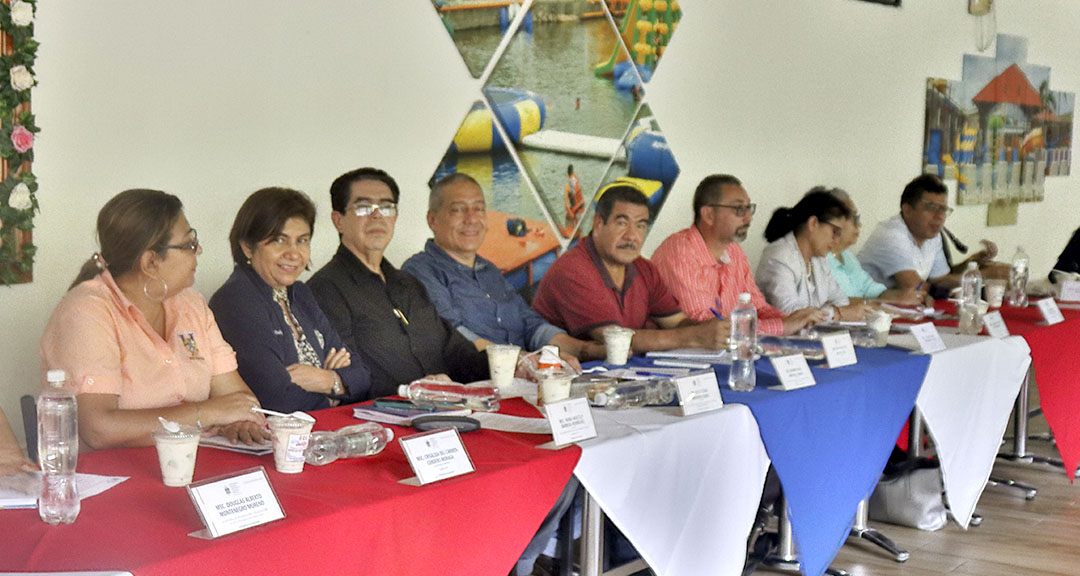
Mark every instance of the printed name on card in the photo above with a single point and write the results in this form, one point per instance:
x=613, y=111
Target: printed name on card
x=698, y=392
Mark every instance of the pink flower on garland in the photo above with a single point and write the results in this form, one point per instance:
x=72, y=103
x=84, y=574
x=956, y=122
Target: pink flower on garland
x=22, y=139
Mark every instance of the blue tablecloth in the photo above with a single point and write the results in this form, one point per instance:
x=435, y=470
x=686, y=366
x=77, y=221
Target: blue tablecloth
x=830, y=442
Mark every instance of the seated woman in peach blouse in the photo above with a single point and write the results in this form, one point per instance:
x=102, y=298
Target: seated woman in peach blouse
x=137, y=342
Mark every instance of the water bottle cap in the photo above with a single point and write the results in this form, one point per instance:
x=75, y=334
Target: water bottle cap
x=600, y=399
x=744, y=298
x=389, y=434
x=55, y=377
x=403, y=390
x=973, y=265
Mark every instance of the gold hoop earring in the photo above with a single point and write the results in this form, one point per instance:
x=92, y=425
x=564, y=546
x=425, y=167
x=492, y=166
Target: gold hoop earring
x=164, y=289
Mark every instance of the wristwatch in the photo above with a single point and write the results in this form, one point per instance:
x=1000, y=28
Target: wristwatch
x=338, y=389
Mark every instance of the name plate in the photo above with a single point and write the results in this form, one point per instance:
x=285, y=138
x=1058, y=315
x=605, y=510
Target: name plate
x=839, y=350
x=926, y=334
x=235, y=502
x=571, y=421
x=793, y=371
x=995, y=325
x=436, y=455
x=1070, y=291
x=698, y=392
x=1050, y=311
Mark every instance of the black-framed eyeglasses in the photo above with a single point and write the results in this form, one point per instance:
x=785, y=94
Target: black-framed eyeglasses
x=935, y=208
x=365, y=209
x=191, y=245
x=740, y=211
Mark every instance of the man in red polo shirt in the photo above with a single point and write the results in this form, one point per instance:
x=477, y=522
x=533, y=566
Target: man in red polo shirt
x=604, y=281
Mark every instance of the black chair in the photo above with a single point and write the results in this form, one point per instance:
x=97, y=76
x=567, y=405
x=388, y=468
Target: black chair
x=29, y=417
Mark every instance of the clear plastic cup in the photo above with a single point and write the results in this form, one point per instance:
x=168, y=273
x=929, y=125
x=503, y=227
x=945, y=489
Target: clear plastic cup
x=502, y=363
x=176, y=454
x=617, y=342
x=554, y=387
x=971, y=318
x=880, y=322
x=290, y=437
x=995, y=292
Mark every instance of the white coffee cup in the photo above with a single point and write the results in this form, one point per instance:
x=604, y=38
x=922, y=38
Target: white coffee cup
x=617, y=342
x=176, y=454
x=879, y=322
x=502, y=363
x=290, y=437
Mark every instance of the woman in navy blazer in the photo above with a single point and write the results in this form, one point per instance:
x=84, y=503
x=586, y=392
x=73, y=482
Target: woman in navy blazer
x=289, y=354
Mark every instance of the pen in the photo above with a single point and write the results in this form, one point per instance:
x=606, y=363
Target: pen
x=716, y=310
x=403, y=405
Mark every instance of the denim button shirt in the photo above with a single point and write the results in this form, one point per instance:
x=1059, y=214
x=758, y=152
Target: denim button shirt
x=478, y=301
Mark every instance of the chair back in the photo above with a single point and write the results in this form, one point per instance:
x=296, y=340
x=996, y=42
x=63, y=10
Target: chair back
x=29, y=417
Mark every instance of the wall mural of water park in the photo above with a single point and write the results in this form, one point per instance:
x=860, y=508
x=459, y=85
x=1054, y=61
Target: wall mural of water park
x=1000, y=131
x=562, y=112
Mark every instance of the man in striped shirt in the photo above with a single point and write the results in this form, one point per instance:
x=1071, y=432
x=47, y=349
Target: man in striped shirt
x=705, y=267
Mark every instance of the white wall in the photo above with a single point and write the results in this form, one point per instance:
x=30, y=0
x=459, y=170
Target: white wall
x=212, y=100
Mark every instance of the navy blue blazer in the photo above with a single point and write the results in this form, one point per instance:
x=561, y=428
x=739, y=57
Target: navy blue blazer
x=255, y=326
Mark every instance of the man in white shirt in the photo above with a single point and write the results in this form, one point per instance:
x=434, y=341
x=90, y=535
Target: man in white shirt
x=905, y=251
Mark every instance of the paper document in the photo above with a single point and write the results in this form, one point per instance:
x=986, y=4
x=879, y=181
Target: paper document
x=22, y=490
x=507, y=423
x=700, y=354
x=223, y=443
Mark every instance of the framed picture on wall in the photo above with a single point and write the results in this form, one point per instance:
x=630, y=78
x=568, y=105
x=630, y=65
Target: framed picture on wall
x=886, y=2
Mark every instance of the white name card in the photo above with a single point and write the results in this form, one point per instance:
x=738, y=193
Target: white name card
x=232, y=503
x=436, y=455
x=793, y=371
x=1070, y=291
x=698, y=392
x=571, y=421
x=928, y=337
x=995, y=325
x=839, y=350
x=1050, y=311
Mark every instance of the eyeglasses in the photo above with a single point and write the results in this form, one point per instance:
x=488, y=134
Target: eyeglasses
x=740, y=211
x=367, y=209
x=191, y=245
x=935, y=208
x=837, y=231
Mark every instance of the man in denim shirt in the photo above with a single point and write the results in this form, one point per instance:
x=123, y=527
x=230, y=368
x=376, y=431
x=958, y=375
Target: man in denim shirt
x=469, y=291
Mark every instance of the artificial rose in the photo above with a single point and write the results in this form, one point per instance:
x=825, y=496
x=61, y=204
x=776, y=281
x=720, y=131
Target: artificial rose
x=21, y=78
x=20, y=197
x=22, y=13
x=22, y=139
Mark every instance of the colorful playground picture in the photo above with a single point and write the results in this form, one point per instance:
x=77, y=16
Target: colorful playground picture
x=562, y=109
x=1001, y=130
x=644, y=160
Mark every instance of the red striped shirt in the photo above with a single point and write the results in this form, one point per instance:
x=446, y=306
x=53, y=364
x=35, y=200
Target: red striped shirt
x=700, y=282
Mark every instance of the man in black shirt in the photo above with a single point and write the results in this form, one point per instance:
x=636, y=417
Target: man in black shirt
x=380, y=312
x=1069, y=261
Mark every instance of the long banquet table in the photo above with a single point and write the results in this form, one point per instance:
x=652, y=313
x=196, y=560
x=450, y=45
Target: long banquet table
x=349, y=516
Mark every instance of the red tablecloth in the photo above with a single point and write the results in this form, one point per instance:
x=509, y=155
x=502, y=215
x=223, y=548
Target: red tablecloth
x=350, y=516
x=1055, y=351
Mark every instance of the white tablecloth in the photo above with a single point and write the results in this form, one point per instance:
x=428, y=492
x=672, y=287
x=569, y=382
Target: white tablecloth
x=965, y=401
x=684, y=491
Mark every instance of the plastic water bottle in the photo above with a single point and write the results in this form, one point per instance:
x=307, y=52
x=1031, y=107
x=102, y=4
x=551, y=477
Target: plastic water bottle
x=660, y=391
x=58, y=451
x=971, y=285
x=451, y=394
x=354, y=441
x=743, y=344
x=1018, y=278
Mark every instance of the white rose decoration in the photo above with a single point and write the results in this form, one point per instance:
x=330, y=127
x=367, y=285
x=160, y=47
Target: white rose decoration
x=22, y=13
x=20, y=197
x=21, y=78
